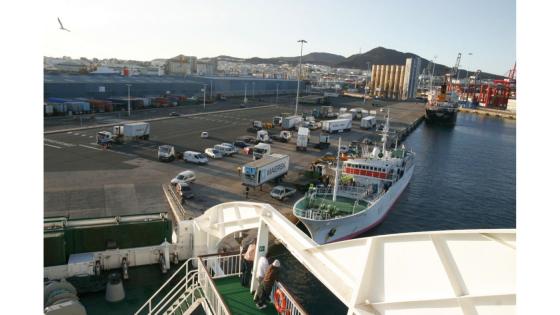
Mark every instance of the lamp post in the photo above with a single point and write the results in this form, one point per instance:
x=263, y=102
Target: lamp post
x=204, y=98
x=365, y=85
x=467, y=82
x=432, y=76
x=245, y=98
x=302, y=41
x=128, y=86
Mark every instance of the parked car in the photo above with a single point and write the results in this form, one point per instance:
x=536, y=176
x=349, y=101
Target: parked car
x=248, y=150
x=213, y=153
x=184, y=191
x=195, y=157
x=173, y=114
x=282, y=192
x=242, y=106
x=204, y=134
x=184, y=177
x=249, y=139
x=240, y=143
x=344, y=149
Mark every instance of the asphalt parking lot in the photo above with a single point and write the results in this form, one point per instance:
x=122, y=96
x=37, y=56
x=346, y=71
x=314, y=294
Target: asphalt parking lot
x=83, y=180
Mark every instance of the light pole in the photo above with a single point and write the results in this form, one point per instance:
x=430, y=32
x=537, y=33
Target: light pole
x=277, y=86
x=467, y=82
x=302, y=41
x=365, y=85
x=204, y=98
x=129, y=85
x=432, y=76
x=253, y=90
x=245, y=99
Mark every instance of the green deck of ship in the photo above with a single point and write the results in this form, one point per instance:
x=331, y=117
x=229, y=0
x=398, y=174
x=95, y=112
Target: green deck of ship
x=238, y=298
x=342, y=205
x=142, y=283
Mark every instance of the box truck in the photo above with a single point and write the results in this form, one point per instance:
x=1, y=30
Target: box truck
x=302, y=138
x=367, y=122
x=337, y=125
x=291, y=122
x=268, y=168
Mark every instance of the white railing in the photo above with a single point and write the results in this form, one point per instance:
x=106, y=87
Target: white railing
x=221, y=266
x=211, y=293
x=292, y=306
x=178, y=284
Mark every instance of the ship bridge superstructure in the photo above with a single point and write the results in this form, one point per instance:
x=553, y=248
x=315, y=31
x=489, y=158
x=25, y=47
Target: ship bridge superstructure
x=444, y=272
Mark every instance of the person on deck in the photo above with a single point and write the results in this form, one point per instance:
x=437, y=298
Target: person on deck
x=270, y=277
x=247, y=263
x=262, y=266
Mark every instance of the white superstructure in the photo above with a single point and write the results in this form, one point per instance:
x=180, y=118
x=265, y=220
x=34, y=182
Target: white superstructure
x=377, y=180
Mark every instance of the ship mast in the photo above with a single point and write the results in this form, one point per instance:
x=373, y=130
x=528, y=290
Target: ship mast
x=336, y=173
x=385, y=133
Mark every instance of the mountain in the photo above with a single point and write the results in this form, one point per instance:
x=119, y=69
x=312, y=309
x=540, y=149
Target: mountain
x=318, y=58
x=384, y=56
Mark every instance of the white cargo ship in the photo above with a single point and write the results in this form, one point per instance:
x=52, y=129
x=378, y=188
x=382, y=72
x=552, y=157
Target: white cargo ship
x=361, y=198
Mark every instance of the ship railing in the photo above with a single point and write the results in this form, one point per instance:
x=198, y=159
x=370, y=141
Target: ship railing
x=354, y=192
x=183, y=280
x=292, y=305
x=211, y=294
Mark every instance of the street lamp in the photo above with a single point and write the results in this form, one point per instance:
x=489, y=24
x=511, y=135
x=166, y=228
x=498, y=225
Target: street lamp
x=245, y=99
x=365, y=85
x=302, y=41
x=204, y=98
x=432, y=76
x=128, y=86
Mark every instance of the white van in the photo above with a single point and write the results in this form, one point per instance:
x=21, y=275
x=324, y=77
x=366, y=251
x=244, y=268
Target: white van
x=195, y=157
x=261, y=150
x=225, y=150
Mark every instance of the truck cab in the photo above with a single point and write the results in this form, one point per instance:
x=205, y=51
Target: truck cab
x=277, y=120
x=261, y=150
x=166, y=153
x=104, y=137
x=262, y=136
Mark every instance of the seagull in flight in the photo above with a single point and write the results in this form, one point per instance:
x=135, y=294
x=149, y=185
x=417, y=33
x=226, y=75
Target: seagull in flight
x=61, y=26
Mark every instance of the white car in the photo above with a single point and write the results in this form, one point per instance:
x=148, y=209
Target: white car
x=204, y=134
x=213, y=153
x=184, y=177
x=344, y=149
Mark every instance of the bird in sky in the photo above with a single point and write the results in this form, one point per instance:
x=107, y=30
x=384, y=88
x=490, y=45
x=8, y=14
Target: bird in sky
x=61, y=26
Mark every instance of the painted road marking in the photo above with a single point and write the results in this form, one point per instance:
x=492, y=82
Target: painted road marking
x=59, y=143
x=52, y=146
x=87, y=146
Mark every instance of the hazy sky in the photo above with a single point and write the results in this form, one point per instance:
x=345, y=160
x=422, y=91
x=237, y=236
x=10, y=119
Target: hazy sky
x=145, y=30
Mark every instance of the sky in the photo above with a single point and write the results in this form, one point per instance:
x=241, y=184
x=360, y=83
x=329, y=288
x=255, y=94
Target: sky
x=146, y=30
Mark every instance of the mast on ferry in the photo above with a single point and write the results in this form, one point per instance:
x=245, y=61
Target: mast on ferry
x=385, y=133
x=336, y=173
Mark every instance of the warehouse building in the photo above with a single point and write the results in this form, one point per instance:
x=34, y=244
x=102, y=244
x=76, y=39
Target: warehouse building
x=103, y=86
x=398, y=82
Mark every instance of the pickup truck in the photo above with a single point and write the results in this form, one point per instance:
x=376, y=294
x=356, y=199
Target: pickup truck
x=282, y=192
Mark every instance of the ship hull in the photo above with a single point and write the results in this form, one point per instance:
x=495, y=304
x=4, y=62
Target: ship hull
x=440, y=116
x=338, y=229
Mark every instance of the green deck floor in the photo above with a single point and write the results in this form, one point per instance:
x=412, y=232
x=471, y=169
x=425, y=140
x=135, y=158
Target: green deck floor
x=239, y=299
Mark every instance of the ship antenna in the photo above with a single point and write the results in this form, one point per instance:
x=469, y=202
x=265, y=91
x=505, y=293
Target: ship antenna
x=386, y=132
x=336, y=173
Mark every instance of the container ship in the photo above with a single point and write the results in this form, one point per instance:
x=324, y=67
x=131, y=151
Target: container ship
x=442, y=107
x=370, y=186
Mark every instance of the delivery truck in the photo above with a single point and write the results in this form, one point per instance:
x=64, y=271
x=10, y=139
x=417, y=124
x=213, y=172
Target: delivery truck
x=302, y=139
x=268, y=168
x=368, y=122
x=291, y=123
x=337, y=125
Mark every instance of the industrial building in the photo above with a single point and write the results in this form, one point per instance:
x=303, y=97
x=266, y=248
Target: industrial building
x=181, y=65
x=398, y=82
x=103, y=86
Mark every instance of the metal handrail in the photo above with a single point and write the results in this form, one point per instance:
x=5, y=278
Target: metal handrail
x=292, y=305
x=223, y=308
x=179, y=284
x=149, y=301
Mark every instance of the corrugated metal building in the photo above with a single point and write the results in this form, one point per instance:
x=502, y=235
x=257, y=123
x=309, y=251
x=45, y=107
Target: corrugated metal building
x=111, y=85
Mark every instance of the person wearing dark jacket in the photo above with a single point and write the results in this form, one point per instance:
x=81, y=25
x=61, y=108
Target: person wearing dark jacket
x=270, y=277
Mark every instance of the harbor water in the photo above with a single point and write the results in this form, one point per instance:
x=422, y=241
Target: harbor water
x=464, y=179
